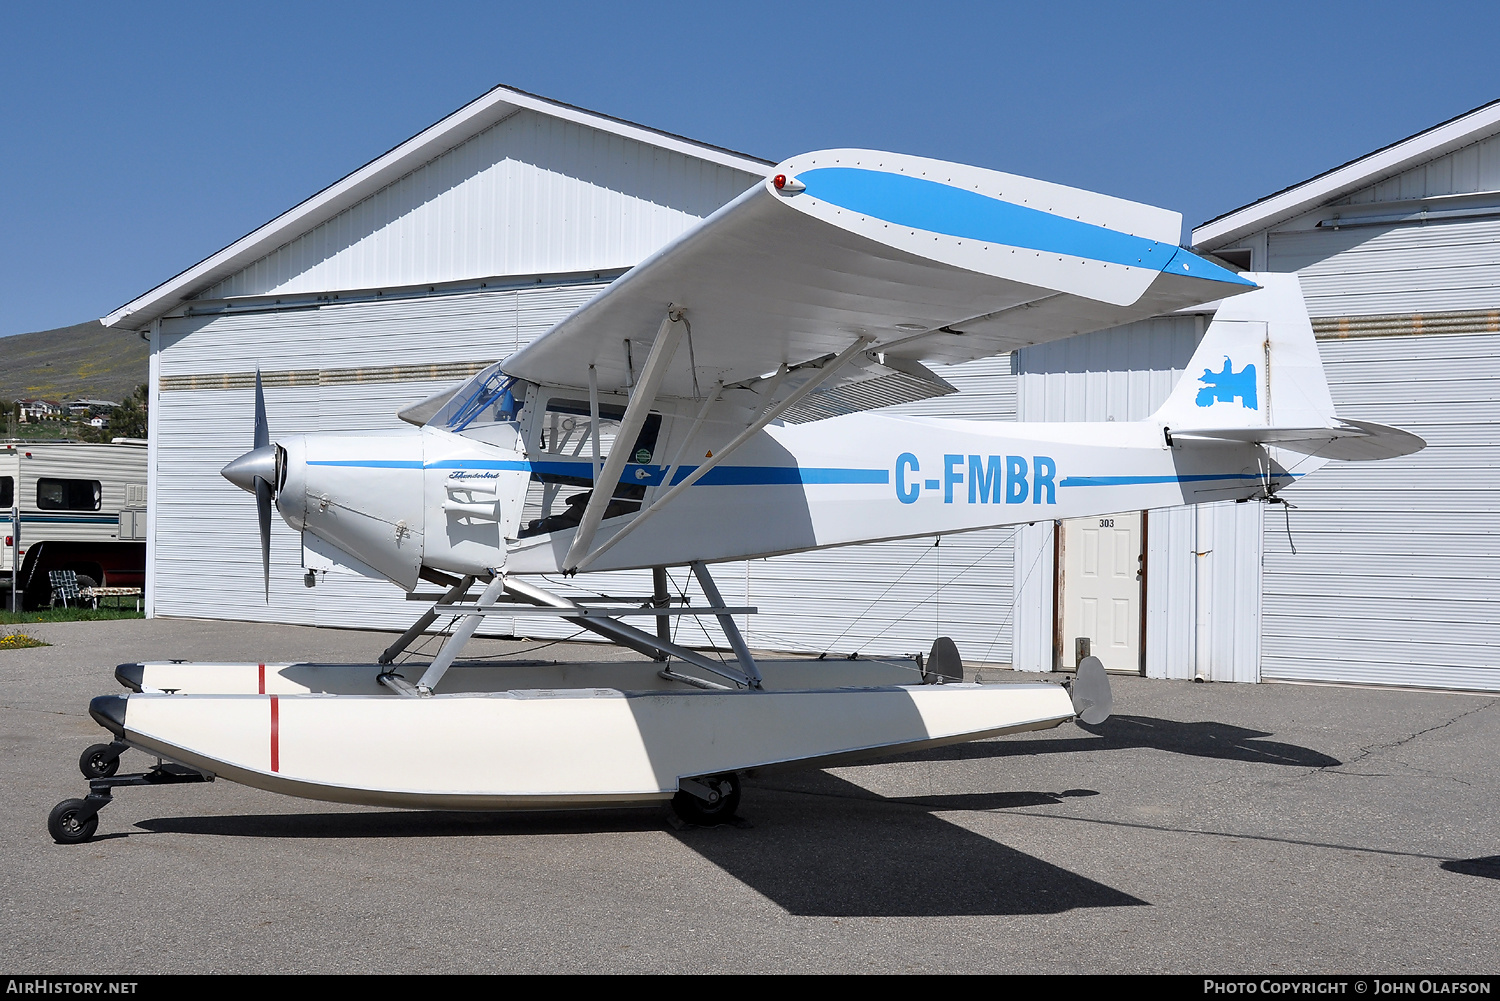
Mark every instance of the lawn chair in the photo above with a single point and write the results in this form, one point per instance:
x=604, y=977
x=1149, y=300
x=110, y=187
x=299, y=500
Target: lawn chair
x=65, y=586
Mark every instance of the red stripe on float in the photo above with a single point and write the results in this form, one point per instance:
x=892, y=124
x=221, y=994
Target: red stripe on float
x=262, y=679
x=275, y=735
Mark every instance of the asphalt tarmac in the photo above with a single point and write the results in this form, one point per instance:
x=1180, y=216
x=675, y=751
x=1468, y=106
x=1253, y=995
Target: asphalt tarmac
x=1206, y=828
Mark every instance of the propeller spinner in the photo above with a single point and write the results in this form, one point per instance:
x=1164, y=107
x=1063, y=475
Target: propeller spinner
x=259, y=471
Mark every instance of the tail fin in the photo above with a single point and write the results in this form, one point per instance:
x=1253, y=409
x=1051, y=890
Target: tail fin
x=1257, y=366
x=1257, y=377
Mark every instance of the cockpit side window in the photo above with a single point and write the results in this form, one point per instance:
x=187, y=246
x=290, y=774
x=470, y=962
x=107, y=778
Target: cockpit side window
x=564, y=462
x=568, y=430
x=491, y=397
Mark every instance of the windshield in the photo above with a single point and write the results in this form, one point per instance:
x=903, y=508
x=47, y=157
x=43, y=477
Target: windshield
x=488, y=398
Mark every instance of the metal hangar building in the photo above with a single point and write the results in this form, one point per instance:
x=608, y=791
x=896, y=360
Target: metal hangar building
x=447, y=253
x=475, y=236
x=1382, y=573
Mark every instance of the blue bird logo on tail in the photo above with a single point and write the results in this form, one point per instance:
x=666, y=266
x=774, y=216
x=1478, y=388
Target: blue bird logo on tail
x=1227, y=385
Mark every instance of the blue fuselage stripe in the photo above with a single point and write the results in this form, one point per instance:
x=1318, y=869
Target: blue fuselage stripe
x=369, y=463
x=1129, y=481
x=718, y=476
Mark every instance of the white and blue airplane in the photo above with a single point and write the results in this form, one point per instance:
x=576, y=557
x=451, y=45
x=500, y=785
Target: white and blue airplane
x=721, y=401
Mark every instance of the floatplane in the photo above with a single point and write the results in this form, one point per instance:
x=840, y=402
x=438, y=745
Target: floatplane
x=721, y=401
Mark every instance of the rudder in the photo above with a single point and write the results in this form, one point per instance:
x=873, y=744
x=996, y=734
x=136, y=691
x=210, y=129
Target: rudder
x=1257, y=366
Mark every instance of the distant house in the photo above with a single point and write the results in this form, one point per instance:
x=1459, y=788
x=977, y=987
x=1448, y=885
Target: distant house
x=35, y=410
x=96, y=422
x=81, y=407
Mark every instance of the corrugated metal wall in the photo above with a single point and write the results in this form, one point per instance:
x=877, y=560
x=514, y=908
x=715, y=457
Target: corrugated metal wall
x=206, y=542
x=534, y=195
x=1476, y=167
x=1367, y=270
x=1203, y=592
x=1124, y=374
x=896, y=597
x=1398, y=562
x=530, y=195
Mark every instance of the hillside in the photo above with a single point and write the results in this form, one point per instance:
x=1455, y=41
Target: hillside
x=65, y=363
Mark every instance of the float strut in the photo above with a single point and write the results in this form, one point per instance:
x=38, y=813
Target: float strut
x=727, y=623
x=428, y=618
x=661, y=598
x=466, y=627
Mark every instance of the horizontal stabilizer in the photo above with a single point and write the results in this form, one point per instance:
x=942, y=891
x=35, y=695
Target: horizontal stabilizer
x=1350, y=440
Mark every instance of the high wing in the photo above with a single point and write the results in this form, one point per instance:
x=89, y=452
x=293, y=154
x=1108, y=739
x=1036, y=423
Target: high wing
x=929, y=262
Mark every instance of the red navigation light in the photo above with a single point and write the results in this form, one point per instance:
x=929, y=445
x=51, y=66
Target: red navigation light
x=780, y=181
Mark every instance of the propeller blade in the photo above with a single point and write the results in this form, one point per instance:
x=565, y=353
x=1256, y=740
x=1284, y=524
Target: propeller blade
x=262, y=427
x=263, y=508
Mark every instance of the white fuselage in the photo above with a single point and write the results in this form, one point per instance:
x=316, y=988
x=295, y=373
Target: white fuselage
x=427, y=497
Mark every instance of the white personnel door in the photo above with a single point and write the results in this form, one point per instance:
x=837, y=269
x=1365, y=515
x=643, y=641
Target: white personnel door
x=1099, y=590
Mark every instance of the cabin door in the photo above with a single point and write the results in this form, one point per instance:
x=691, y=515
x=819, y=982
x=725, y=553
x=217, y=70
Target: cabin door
x=1100, y=586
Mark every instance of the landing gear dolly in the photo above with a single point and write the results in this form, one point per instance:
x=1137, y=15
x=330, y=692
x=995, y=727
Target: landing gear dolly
x=707, y=801
x=74, y=821
x=100, y=761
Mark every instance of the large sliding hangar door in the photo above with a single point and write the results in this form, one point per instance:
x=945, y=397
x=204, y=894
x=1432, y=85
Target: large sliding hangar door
x=1396, y=575
x=1395, y=564
x=331, y=367
x=380, y=291
x=1389, y=572
x=352, y=365
x=1199, y=599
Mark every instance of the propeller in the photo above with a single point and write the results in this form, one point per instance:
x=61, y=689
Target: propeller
x=258, y=471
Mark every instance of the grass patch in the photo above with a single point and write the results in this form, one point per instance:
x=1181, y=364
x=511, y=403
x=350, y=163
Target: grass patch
x=19, y=641
x=69, y=615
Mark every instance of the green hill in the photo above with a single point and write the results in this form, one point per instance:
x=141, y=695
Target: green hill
x=84, y=360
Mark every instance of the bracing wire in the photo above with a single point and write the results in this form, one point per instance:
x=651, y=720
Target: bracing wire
x=986, y=555
x=1016, y=599
x=860, y=617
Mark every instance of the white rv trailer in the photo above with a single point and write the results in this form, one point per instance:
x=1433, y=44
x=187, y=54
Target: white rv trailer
x=81, y=506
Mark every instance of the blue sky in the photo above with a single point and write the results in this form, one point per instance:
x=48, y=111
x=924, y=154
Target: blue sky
x=140, y=138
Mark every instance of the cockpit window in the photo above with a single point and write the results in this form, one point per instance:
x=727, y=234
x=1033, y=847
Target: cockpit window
x=564, y=462
x=491, y=397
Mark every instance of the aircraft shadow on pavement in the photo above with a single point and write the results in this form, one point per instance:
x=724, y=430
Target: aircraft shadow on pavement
x=823, y=847
x=1487, y=866
x=409, y=824
x=1201, y=739
x=815, y=844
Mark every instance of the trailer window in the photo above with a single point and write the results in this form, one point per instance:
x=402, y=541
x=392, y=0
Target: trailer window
x=67, y=495
x=7, y=492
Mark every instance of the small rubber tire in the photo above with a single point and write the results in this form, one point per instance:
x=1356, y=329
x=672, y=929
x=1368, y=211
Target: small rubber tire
x=692, y=810
x=95, y=762
x=66, y=826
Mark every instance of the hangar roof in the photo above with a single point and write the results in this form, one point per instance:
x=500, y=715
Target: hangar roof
x=493, y=107
x=1468, y=128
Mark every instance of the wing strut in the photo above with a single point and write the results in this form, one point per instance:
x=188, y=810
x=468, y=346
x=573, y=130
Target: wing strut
x=641, y=400
x=771, y=412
